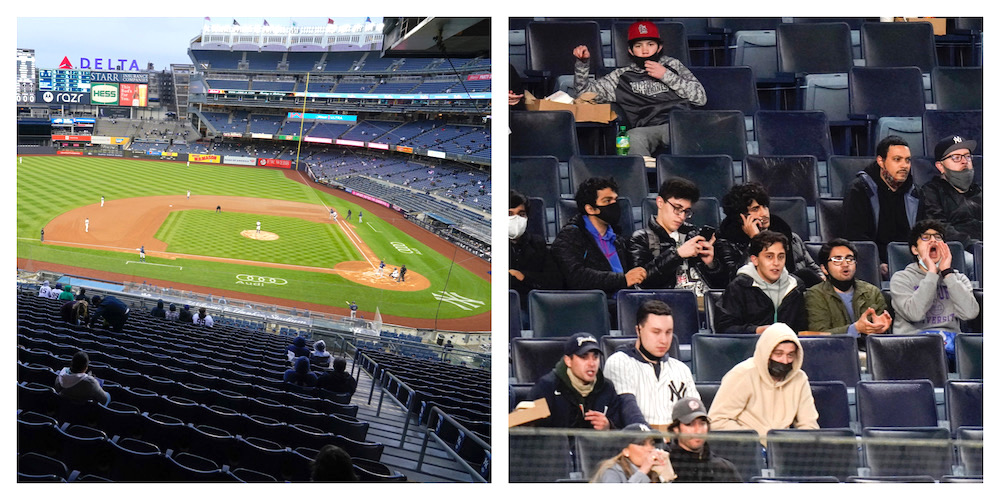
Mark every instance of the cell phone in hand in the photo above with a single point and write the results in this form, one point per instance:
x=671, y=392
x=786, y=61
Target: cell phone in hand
x=707, y=232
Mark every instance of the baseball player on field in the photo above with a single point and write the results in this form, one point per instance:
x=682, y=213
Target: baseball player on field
x=258, y=227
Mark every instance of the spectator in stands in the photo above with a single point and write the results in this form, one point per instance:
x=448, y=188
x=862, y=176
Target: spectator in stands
x=301, y=374
x=338, y=380
x=882, y=202
x=67, y=292
x=55, y=292
x=203, y=318
x=639, y=461
x=158, y=311
x=763, y=291
x=515, y=91
x=766, y=391
x=645, y=369
x=332, y=464
x=110, y=311
x=578, y=394
x=45, y=289
x=588, y=251
x=74, y=312
x=530, y=265
x=843, y=304
x=747, y=209
x=82, y=294
x=172, y=313
x=647, y=89
x=319, y=356
x=930, y=296
x=954, y=198
x=77, y=383
x=185, y=314
x=690, y=457
x=671, y=250
x=298, y=348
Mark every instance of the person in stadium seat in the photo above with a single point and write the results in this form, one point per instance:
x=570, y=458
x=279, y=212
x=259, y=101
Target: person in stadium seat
x=578, y=394
x=45, y=289
x=172, y=313
x=158, y=311
x=843, y=304
x=768, y=390
x=530, y=266
x=928, y=295
x=203, y=318
x=747, y=209
x=332, y=464
x=319, y=356
x=77, y=383
x=74, y=312
x=338, y=380
x=647, y=89
x=672, y=251
x=640, y=460
x=646, y=371
x=297, y=348
x=185, y=314
x=82, y=294
x=763, y=291
x=690, y=456
x=300, y=373
x=954, y=197
x=588, y=251
x=109, y=310
x=67, y=293
x=55, y=292
x=882, y=202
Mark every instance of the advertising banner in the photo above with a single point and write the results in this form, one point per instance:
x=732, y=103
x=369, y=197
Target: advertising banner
x=271, y=162
x=118, y=141
x=404, y=149
x=239, y=160
x=481, y=76
x=70, y=153
x=204, y=158
x=118, y=77
x=322, y=140
x=435, y=154
x=62, y=98
x=130, y=94
x=344, y=142
x=322, y=117
x=71, y=138
x=376, y=145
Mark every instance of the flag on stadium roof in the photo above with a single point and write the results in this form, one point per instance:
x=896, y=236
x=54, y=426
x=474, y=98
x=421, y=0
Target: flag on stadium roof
x=235, y=23
x=368, y=19
x=265, y=23
x=329, y=21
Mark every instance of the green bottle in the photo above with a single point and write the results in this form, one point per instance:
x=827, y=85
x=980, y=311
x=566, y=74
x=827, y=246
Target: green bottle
x=621, y=142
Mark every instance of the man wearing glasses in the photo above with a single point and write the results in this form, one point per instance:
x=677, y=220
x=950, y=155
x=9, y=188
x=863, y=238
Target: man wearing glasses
x=953, y=197
x=843, y=304
x=673, y=252
x=929, y=296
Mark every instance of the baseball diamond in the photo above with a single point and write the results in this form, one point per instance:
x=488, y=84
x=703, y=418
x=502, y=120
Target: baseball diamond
x=318, y=262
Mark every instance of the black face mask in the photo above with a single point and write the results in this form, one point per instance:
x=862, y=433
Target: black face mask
x=610, y=213
x=842, y=285
x=778, y=370
x=641, y=61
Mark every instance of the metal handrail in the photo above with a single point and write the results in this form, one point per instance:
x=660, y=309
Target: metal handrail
x=476, y=474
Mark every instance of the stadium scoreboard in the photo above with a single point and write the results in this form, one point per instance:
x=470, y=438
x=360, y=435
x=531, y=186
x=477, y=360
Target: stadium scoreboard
x=81, y=86
x=64, y=80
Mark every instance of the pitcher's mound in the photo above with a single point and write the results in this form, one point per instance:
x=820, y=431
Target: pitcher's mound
x=254, y=235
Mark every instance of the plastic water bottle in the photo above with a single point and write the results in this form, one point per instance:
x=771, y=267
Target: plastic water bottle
x=621, y=142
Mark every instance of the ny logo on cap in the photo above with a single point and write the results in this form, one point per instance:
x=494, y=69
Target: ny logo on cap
x=580, y=341
x=693, y=405
x=957, y=139
x=642, y=29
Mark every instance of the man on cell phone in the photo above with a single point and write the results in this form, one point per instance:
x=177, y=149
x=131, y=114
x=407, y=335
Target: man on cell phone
x=675, y=253
x=747, y=213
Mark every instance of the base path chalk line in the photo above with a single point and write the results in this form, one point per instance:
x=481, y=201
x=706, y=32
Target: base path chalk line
x=152, y=264
x=373, y=227
x=356, y=240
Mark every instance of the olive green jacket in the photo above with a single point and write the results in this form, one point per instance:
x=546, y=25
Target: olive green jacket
x=827, y=312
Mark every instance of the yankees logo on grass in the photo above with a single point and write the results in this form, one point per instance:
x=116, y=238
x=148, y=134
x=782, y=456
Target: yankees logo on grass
x=253, y=280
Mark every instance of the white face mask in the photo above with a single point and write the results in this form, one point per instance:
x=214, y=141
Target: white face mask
x=516, y=226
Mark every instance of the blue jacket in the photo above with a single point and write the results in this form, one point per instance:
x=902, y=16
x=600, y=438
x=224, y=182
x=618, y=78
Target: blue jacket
x=564, y=402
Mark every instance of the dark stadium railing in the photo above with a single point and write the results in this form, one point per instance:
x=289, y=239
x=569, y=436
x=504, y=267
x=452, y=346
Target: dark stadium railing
x=466, y=454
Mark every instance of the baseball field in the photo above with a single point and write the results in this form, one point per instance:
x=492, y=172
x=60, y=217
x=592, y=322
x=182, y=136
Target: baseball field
x=208, y=241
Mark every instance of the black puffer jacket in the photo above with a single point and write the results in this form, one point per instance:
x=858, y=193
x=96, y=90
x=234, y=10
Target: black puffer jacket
x=733, y=247
x=582, y=264
x=661, y=270
x=702, y=466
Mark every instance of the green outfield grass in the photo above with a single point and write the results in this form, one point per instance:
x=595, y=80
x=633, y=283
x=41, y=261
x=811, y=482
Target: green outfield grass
x=49, y=186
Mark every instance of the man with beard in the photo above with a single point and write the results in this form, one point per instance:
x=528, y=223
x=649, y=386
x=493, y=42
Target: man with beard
x=646, y=371
x=843, y=304
x=881, y=203
x=766, y=391
x=588, y=252
x=953, y=197
x=647, y=89
x=690, y=456
x=747, y=209
x=930, y=296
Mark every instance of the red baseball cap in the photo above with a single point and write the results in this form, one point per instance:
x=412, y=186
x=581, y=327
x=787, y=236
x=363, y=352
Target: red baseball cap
x=643, y=30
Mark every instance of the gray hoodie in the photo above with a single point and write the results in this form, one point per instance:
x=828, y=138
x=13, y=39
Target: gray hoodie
x=79, y=386
x=924, y=301
x=775, y=291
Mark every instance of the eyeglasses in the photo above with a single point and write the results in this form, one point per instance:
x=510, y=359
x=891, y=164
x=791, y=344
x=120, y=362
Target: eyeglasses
x=959, y=158
x=929, y=236
x=686, y=212
x=841, y=259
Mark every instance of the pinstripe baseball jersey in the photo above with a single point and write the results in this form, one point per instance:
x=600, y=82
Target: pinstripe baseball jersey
x=632, y=374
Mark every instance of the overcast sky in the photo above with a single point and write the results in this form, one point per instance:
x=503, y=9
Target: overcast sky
x=159, y=40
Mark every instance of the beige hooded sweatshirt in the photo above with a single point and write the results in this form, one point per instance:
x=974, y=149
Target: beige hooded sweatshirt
x=749, y=398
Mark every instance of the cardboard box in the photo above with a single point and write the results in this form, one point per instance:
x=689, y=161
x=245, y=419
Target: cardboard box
x=528, y=411
x=583, y=109
x=937, y=22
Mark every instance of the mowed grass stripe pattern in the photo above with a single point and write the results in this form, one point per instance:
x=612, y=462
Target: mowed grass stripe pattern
x=204, y=232
x=48, y=186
